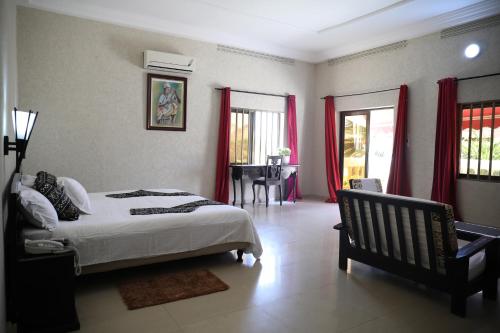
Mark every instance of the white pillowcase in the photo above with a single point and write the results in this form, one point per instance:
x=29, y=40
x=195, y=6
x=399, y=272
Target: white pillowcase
x=76, y=192
x=37, y=209
x=28, y=180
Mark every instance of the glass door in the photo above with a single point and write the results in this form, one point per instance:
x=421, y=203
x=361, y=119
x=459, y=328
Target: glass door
x=366, y=139
x=354, y=144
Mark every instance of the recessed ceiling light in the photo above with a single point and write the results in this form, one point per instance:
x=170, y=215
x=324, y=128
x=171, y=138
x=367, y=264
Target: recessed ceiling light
x=472, y=51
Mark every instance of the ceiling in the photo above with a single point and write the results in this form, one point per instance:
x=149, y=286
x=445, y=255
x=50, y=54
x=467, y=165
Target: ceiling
x=308, y=30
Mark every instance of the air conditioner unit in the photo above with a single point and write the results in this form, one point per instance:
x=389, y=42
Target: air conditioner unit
x=168, y=62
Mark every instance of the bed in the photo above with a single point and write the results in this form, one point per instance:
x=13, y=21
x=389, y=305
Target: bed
x=111, y=238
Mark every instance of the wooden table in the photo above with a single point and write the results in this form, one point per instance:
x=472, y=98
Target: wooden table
x=255, y=171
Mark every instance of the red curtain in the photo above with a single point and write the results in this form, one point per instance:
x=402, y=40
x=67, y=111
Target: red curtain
x=445, y=154
x=292, y=144
x=332, y=161
x=398, y=182
x=222, y=171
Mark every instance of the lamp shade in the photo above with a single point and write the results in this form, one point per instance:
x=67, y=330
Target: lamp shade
x=23, y=122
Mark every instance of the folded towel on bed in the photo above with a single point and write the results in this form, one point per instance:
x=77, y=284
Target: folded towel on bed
x=144, y=193
x=185, y=208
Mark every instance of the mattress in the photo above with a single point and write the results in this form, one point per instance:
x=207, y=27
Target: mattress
x=112, y=234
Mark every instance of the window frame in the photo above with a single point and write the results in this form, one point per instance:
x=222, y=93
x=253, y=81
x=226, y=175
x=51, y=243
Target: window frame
x=474, y=105
x=251, y=131
x=251, y=115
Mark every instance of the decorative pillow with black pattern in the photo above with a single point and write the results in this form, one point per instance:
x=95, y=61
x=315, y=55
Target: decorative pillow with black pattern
x=46, y=184
x=45, y=177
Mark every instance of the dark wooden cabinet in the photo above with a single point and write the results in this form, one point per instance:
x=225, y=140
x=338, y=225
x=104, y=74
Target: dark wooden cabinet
x=45, y=293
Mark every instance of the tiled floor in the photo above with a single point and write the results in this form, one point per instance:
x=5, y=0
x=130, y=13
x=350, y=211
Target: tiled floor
x=295, y=287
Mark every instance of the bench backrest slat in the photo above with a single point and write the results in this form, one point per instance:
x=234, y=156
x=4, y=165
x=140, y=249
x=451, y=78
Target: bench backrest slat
x=388, y=232
x=354, y=225
x=401, y=234
x=414, y=237
x=364, y=224
x=376, y=229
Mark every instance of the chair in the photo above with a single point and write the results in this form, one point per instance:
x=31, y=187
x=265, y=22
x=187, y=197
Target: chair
x=416, y=239
x=272, y=177
x=367, y=184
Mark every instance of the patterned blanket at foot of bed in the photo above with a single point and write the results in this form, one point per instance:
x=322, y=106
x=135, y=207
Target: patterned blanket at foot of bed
x=185, y=208
x=144, y=193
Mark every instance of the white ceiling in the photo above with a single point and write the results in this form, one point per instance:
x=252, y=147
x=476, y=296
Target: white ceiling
x=309, y=30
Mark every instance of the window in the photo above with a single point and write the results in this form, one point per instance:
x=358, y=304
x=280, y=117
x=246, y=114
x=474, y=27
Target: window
x=254, y=135
x=366, y=139
x=479, y=135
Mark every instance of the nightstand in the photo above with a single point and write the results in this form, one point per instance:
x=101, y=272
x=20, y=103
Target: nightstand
x=45, y=296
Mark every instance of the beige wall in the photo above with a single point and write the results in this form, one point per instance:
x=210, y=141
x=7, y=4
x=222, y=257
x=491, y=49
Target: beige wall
x=87, y=81
x=424, y=61
x=8, y=98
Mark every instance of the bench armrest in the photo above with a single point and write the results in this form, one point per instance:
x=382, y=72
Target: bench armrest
x=466, y=235
x=339, y=227
x=474, y=247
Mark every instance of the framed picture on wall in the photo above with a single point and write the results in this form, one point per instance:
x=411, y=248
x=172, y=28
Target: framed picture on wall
x=166, y=105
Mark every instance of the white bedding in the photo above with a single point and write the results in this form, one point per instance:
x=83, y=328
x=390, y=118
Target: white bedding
x=111, y=233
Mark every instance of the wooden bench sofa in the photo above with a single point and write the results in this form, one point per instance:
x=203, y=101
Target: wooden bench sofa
x=416, y=239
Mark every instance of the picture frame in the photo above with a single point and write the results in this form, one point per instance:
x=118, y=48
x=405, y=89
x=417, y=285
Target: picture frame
x=166, y=102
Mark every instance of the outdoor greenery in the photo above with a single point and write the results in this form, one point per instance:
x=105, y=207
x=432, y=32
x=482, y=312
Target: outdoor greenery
x=484, y=154
x=238, y=145
x=485, y=149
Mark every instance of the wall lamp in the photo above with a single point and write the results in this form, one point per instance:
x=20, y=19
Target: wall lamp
x=23, y=122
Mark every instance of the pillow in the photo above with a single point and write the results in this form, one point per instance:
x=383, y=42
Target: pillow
x=37, y=209
x=21, y=187
x=28, y=180
x=46, y=184
x=46, y=178
x=76, y=193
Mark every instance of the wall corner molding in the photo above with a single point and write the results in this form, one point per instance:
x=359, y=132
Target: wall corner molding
x=366, y=53
x=471, y=26
x=255, y=54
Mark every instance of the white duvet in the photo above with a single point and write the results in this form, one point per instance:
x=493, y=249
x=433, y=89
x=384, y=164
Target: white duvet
x=111, y=233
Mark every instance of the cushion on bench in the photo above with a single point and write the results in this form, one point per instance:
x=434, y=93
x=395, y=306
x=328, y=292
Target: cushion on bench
x=367, y=184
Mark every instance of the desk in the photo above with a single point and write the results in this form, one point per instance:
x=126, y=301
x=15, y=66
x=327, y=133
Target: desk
x=255, y=171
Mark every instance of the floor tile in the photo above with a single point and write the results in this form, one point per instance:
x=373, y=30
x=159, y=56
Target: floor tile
x=246, y=321
x=146, y=320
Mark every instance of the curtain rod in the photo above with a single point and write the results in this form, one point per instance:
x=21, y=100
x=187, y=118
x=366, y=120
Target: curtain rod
x=365, y=93
x=254, y=92
x=475, y=77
